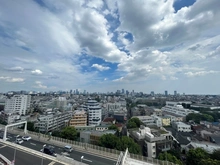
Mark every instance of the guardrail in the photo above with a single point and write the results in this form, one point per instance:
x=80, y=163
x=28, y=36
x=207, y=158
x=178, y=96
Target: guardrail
x=5, y=161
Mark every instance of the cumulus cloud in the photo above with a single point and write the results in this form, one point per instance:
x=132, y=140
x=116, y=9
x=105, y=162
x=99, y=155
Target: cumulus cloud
x=11, y=79
x=17, y=68
x=36, y=72
x=145, y=41
x=100, y=67
x=40, y=85
x=200, y=73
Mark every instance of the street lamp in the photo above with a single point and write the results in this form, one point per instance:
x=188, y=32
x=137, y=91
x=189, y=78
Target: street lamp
x=15, y=148
x=42, y=160
x=82, y=158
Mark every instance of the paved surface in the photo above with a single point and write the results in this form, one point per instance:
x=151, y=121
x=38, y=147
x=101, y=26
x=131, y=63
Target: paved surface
x=76, y=155
x=23, y=158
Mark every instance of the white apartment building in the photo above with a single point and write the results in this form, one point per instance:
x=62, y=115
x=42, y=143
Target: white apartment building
x=94, y=112
x=18, y=104
x=154, y=140
x=150, y=120
x=9, y=117
x=60, y=102
x=147, y=120
x=111, y=107
x=177, y=109
x=52, y=122
x=181, y=127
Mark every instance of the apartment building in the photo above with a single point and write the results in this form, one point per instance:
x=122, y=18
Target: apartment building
x=19, y=104
x=94, y=112
x=79, y=118
x=153, y=140
x=47, y=123
x=9, y=117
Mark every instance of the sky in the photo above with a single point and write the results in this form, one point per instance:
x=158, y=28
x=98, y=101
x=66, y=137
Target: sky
x=109, y=45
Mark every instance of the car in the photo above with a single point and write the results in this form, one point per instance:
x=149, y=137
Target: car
x=26, y=138
x=49, y=150
x=67, y=149
x=19, y=141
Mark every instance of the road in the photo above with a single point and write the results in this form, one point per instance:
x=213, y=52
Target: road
x=23, y=158
x=76, y=155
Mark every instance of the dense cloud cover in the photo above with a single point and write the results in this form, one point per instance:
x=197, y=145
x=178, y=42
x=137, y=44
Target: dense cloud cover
x=105, y=45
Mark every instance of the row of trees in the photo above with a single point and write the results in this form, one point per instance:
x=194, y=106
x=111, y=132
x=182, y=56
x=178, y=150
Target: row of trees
x=197, y=117
x=120, y=143
x=196, y=156
x=199, y=156
x=169, y=157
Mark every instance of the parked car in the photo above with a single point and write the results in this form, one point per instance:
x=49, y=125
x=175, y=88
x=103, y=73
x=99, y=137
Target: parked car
x=49, y=150
x=67, y=149
x=26, y=138
x=19, y=141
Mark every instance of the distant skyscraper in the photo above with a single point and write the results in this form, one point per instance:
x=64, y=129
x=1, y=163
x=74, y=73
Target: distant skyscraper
x=166, y=93
x=175, y=93
x=122, y=91
x=152, y=93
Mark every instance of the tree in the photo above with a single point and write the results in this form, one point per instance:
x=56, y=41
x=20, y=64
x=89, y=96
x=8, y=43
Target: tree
x=131, y=124
x=113, y=127
x=134, y=123
x=215, y=154
x=194, y=156
x=69, y=133
x=113, y=142
x=56, y=133
x=209, y=161
x=108, y=141
x=126, y=142
x=199, y=117
x=175, y=152
x=30, y=126
x=169, y=157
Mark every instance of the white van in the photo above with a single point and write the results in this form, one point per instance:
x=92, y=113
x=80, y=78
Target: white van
x=67, y=149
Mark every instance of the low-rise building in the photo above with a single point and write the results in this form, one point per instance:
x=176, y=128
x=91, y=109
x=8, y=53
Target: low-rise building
x=182, y=127
x=165, y=121
x=177, y=108
x=108, y=121
x=209, y=147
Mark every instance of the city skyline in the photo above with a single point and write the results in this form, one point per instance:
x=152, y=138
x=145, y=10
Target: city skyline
x=103, y=46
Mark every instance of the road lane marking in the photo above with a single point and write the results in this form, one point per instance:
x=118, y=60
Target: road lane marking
x=3, y=146
x=33, y=144
x=87, y=160
x=51, y=163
